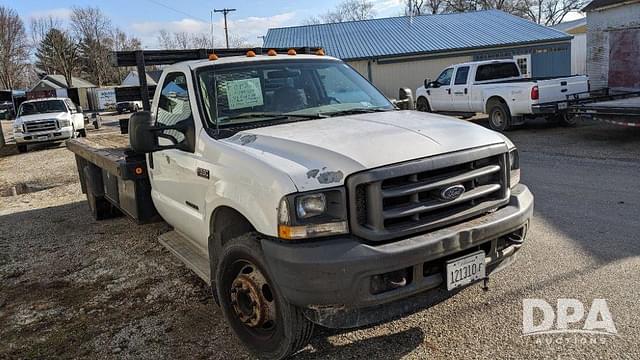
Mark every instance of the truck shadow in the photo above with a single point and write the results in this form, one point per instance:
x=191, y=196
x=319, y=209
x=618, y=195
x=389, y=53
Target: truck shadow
x=391, y=346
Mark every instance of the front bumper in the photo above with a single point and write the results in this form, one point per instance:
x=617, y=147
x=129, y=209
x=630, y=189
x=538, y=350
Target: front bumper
x=331, y=278
x=44, y=136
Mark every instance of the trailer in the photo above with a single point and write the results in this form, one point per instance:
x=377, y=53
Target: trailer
x=619, y=108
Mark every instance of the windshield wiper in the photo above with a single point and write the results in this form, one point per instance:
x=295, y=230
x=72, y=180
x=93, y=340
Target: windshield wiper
x=273, y=116
x=354, y=111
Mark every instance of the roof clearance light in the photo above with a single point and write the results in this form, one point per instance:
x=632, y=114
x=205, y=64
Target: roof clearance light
x=213, y=57
x=272, y=52
x=320, y=52
x=251, y=53
x=291, y=52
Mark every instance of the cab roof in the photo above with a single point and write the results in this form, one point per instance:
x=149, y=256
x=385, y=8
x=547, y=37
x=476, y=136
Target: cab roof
x=195, y=64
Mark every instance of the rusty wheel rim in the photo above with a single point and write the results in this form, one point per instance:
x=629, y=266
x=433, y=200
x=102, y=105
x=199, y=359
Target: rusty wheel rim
x=252, y=299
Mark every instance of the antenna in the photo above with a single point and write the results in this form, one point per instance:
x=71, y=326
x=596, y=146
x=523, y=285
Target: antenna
x=225, y=11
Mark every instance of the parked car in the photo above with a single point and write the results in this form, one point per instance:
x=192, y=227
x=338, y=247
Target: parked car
x=497, y=88
x=128, y=106
x=47, y=120
x=300, y=206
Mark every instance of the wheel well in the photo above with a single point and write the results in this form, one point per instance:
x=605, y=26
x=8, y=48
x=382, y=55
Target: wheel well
x=492, y=100
x=226, y=224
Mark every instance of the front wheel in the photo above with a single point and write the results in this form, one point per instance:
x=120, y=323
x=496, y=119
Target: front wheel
x=264, y=321
x=423, y=105
x=499, y=117
x=22, y=149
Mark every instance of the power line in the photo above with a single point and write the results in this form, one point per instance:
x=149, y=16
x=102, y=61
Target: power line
x=176, y=10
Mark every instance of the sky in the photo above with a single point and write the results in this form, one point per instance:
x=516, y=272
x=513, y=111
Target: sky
x=145, y=18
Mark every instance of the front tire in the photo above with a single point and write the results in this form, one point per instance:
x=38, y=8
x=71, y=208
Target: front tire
x=22, y=149
x=499, y=117
x=264, y=321
x=423, y=105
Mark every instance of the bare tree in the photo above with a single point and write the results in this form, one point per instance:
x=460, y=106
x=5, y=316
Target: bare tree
x=92, y=28
x=347, y=10
x=423, y=7
x=549, y=12
x=184, y=40
x=14, y=48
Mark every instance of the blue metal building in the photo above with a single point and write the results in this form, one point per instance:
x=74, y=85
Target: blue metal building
x=403, y=51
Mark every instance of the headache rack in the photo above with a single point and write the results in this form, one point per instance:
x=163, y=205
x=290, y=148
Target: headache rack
x=142, y=58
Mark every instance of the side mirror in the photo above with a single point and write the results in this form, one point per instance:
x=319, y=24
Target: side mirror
x=405, y=101
x=427, y=83
x=142, y=136
x=79, y=108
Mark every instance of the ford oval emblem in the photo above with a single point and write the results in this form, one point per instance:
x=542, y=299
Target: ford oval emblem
x=452, y=192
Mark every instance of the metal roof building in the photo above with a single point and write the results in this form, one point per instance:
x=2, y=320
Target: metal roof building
x=402, y=51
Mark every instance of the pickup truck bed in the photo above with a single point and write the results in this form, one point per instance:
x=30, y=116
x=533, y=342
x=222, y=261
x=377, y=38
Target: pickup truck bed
x=113, y=177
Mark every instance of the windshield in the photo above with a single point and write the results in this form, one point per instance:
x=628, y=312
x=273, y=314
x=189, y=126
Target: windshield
x=41, y=107
x=255, y=92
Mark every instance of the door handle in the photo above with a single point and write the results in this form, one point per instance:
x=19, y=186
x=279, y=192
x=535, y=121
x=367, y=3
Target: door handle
x=449, y=91
x=465, y=90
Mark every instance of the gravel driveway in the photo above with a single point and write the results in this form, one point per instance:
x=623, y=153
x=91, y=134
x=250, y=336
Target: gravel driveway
x=72, y=287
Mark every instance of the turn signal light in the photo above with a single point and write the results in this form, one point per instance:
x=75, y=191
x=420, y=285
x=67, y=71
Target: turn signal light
x=320, y=52
x=535, y=94
x=213, y=57
x=251, y=53
x=272, y=52
x=291, y=52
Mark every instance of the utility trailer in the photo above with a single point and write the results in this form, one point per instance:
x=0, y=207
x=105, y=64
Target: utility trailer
x=619, y=108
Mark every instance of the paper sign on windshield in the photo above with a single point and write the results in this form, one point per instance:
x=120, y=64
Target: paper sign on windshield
x=244, y=93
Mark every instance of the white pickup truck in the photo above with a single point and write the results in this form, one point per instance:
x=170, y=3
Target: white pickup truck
x=496, y=88
x=47, y=120
x=303, y=196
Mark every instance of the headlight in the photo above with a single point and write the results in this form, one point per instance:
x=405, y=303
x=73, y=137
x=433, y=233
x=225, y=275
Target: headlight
x=64, y=123
x=314, y=214
x=514, y=167
x=17, y=128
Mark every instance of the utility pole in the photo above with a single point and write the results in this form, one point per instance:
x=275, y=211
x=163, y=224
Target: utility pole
x=225, y=11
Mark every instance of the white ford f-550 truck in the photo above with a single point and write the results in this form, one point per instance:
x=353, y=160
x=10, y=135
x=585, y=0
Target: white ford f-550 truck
x=302, y=195
x=47, y=120
x=497, y=88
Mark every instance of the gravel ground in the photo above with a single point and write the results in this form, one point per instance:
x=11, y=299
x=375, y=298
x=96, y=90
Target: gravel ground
x=72, y=287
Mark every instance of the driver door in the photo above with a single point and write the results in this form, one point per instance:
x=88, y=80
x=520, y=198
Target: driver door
x=440, y=96
x=177, y=190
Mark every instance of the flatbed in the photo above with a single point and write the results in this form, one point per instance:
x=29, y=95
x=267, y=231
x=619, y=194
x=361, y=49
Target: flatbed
x=114, y=177
x=616, y=108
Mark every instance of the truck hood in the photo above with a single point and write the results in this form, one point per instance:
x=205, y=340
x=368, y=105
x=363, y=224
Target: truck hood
x=322, y=153
x=34, y=117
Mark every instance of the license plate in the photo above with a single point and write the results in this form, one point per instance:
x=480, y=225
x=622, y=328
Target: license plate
x=562, y=106
x=43, y=137
x=465, y=270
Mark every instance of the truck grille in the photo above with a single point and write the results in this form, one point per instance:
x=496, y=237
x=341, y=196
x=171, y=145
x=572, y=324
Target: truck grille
x=404, y=199
x=40, y=125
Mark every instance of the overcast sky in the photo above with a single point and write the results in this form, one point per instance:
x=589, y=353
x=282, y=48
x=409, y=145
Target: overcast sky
x=144, y=18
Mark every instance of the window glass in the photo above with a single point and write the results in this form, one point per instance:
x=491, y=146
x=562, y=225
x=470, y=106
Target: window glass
x=258, y=92
x=41, y=107
x=445, y=77
x=497, y=71
x=71, y=106
x=173, y=105
x=461, y=75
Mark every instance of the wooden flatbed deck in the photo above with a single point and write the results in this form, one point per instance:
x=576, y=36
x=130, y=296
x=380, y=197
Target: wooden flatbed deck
x=107, y=151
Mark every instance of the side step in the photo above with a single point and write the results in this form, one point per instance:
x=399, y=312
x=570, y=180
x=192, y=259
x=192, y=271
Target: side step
x=188, y=253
